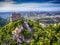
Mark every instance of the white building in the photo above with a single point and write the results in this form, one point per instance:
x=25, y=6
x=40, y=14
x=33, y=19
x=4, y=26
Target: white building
x=41, y=24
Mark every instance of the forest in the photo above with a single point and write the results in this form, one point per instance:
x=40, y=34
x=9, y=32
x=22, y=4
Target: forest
x=49, y=35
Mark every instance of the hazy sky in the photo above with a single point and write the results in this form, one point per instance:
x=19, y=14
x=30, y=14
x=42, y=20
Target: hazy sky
x=29, y=5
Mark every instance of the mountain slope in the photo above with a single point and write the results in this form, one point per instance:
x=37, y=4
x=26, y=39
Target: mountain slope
x=49, y=35
x=5, y=32
x=3, y=22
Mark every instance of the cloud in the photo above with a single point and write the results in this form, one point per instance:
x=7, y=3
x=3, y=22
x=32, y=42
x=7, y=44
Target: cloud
x=9, y=6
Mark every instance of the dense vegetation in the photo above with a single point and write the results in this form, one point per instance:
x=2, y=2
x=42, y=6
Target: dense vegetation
x=26, y=33
x=49, y=35
x=3, y=22
x=5, y=32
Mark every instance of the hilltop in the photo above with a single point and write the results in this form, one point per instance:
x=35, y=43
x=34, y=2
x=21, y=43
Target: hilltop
x=6, y=31
x=49, y=35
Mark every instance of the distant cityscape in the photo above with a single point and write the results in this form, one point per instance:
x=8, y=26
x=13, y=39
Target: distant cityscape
x=45, y=17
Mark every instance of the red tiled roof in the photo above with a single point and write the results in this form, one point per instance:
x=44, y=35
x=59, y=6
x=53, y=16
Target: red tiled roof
x=15, y=16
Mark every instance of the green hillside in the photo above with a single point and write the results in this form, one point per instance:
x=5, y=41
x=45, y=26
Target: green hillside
x=3, y=22
x=5, y=32
x=49, y=35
